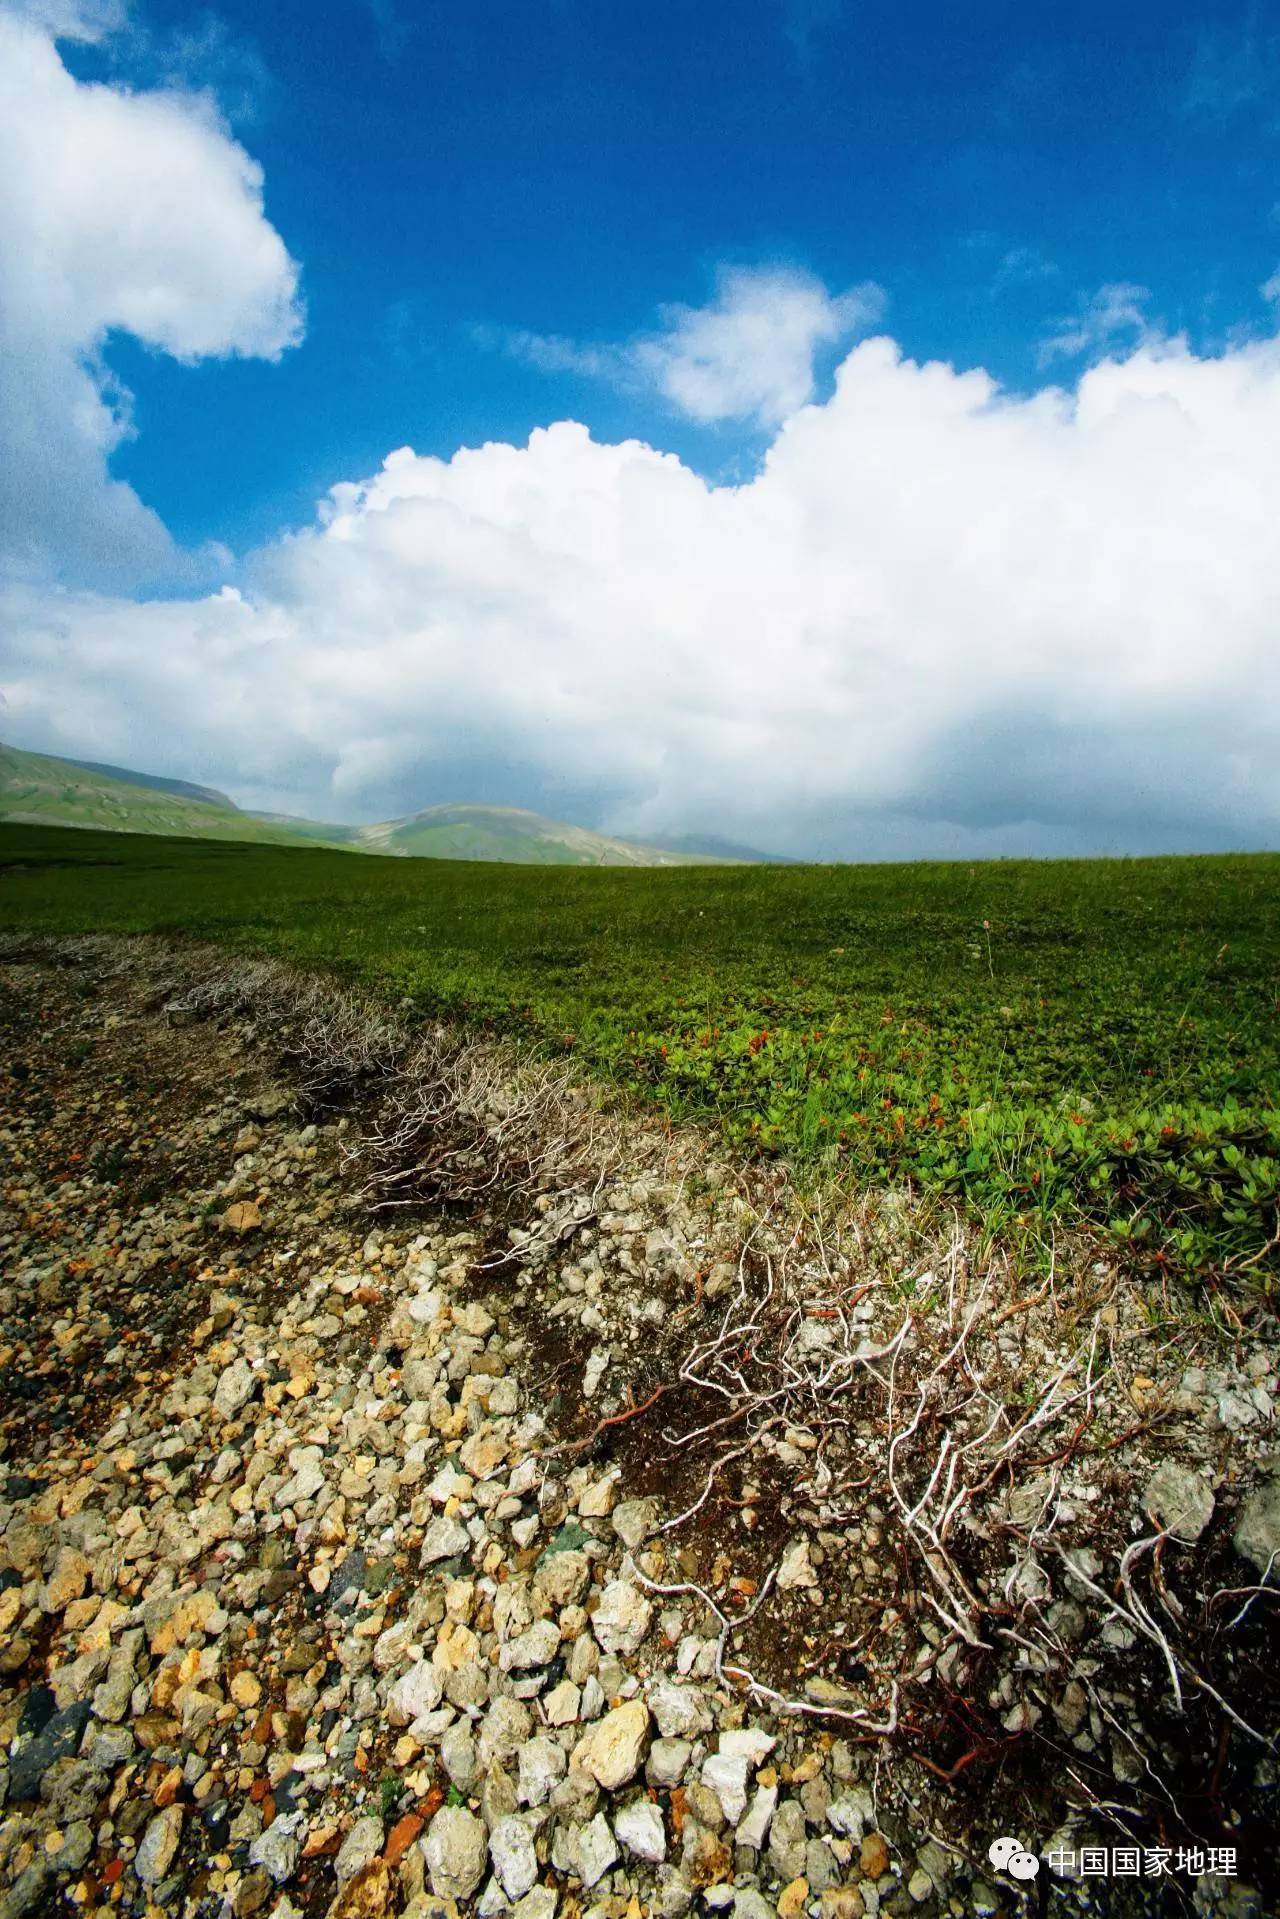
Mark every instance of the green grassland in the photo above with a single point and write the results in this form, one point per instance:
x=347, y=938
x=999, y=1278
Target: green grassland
x=1047, y=1041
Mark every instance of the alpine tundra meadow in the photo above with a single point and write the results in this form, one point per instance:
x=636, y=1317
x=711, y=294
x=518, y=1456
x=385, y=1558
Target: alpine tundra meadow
x=639, y=960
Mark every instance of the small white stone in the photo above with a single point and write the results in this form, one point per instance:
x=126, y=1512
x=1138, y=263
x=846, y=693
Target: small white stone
x=640, y=1829
x=796, y=1569
x=753, y=1830
x=514, y=1859
x=622, y=1618
x=725, y=1773
x=561, y=1704
x=596, y=1849
x=754, y=1745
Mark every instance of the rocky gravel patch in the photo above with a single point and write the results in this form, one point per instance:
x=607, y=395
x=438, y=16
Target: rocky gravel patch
x=586, y=1540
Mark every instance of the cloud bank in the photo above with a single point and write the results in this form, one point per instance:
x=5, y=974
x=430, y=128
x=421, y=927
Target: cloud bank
x=940, y=618
x=118, y=211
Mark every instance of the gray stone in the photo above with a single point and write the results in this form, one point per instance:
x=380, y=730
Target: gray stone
x=1179, y=1500
x=795, y=1571
x=680, y=1711
x=594, y=1371
x=563, y=1577
x=540, y=1768
x=937, y=1862
x=278, y=1849
x=78, y=1842
x=787, y=1841
x=668, y=1762
x=634, y=1520
x=726, y=1774
x=1257, y=1533
x=753, y=1830
x=852, y=1814
x=26, y=1892
x=506, y=1728
x=536, y=1647
x=306, y=1480
x=456, y=1849
x=159, y=1846
x=674, y=1894
x=514, y=1859
x=596, y=1850
x=493, y=1903
x=235, y=1388
x=458, y=1756
x=539, y=1903
x=819, y=1866
x=416, y=1692
x=497, y=1796
x=111, y=1700
x=362, y=1843
x=445, y=1539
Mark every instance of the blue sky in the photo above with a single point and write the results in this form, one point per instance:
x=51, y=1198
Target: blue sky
x=847, y=427
x=564, y=167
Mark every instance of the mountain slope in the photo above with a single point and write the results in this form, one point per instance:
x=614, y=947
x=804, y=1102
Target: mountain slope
x=510, y=833
x=41, y=790
x=183, y=788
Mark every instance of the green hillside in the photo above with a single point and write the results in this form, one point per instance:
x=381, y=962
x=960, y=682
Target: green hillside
x=184, y=788
x=39, y=790
x=1046, y=1040
x=518, y=837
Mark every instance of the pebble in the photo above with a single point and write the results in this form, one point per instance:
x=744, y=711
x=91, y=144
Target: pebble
x=613, y=1749
x=159, y=1846
x=512, y=1852
x=639, y=1828
x=456, y=1850
x=596, y=1850
x=362, y=1843
x=622, y=1617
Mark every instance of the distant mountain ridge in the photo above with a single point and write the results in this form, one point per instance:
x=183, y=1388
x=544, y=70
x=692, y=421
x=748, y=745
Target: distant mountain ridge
x=183, y=788
x=42, y=789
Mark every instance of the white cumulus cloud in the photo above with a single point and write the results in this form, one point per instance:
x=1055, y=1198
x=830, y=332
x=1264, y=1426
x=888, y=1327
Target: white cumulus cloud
x=940, y=617
x=750, y=354
x=119, y=211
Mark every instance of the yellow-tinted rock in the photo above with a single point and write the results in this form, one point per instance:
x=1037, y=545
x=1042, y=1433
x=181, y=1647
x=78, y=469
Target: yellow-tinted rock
x=792, y=1898
x=874, y=1857
x=246, y=1689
